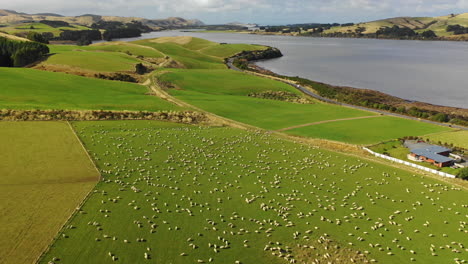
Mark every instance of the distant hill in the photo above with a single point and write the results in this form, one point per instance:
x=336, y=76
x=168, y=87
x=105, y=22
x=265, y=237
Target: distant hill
x=419, y=24
x=9, y=17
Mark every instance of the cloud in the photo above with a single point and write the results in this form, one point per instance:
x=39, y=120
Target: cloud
x=262, y=11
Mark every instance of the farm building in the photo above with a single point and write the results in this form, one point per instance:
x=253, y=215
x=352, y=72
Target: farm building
x=437, y=155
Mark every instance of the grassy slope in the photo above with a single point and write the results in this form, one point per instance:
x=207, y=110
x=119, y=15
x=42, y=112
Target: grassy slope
x=109, y=57
x=423, y=23
x=44, y=175
x=189, y=58
x=231, y=166
x=39, y=28
x=33, y=89
x=457, y=138
x=225, y=93
x=368, y=131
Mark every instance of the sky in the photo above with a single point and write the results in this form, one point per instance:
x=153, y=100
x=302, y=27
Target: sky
x=264, y=12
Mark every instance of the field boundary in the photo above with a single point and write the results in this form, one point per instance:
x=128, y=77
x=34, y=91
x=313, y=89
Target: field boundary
x=326, y=121
x=440, y=173
x=78, y=207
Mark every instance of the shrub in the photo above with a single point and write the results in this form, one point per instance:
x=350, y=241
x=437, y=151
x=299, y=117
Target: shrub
x=463, y=174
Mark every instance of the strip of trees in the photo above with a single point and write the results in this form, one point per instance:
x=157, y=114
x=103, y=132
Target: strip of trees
x=20, y=53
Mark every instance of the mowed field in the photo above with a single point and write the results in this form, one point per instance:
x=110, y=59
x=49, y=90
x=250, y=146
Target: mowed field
x=457, y=138
x=33, y=89
x=184, y=194
x=368, y=131
x=44, y=175
x=225, y=93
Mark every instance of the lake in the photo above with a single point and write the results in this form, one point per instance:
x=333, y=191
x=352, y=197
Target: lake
x=426, y=71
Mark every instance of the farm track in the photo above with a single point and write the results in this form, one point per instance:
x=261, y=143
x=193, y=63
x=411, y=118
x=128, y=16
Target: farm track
x=323, y=122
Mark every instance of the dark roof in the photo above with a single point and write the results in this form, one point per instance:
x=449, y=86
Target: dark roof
x=431, y=153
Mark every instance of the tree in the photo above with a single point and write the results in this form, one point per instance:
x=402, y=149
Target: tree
x=440, y=117
x=429, y=34
x=140, y=68
x=463, y=174
x=34, y=36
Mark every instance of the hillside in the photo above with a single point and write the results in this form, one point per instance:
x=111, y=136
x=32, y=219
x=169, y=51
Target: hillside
x=12, y=17
x=419, y=24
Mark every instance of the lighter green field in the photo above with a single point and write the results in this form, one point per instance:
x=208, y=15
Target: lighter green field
x=368, y=131
x=457, y=138
x=33, y=89
x=195, y=53
x=108, y=57
x=44, y=175
x=185, y=194
x=224, y=92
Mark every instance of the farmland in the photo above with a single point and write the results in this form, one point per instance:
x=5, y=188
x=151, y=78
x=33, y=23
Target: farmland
x=457, y=138
x=45, y=174
x=173, y=193
x=39, y=28
x=368, y=131
x=106, y=57
x=28, y=89
x=201, y=88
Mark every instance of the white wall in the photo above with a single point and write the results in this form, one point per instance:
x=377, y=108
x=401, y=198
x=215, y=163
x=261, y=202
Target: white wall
x=440, y=173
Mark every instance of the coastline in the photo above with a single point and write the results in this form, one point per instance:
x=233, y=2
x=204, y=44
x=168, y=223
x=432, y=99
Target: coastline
x=382, y=99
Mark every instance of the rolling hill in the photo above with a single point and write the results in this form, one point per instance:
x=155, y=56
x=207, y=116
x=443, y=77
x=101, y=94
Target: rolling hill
x=419, y=24
x=12, y=17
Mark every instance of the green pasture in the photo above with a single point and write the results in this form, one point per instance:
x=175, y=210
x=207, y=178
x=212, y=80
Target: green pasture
x=39, y=28
x=368, y=131
x=225, y=94
x=94, y=61
x=189, y=58
x=184, y=194
x=45, y=174
x=457, y=138
x=33, y=89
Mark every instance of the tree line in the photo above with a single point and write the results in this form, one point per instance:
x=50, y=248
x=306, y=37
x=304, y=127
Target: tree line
x=20, y=53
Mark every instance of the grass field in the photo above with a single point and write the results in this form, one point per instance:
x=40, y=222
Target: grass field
x=196, y=53
x=34, y=89
x=94, y=60
x=368, y=131
x=224, y=93
x=186, y=194
x=39, y=28
x=45, y=174
x=189, y=58
x=457, y=138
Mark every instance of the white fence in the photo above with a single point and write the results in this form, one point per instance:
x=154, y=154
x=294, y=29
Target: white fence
x=440, y=173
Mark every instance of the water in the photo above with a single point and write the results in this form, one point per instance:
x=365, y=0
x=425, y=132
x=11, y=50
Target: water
x=428, y=71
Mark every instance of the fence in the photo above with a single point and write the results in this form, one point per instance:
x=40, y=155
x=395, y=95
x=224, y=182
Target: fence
x=440, y=173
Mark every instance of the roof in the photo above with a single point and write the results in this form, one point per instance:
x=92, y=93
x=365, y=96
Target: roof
x=431, y=154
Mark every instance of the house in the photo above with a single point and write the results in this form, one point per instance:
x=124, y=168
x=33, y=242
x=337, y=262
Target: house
x=437, y=155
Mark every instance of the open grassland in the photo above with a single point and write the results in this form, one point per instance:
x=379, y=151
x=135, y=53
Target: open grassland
x=368, y=131
x=44, y=174
x=39, y=28
x=457, y=138
x=195, y=53
x=184, y=194
x=419, y=24
x=225, y=93
x=108, y=57
x=188, y=58
x=94, y=60
x=33, y=89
